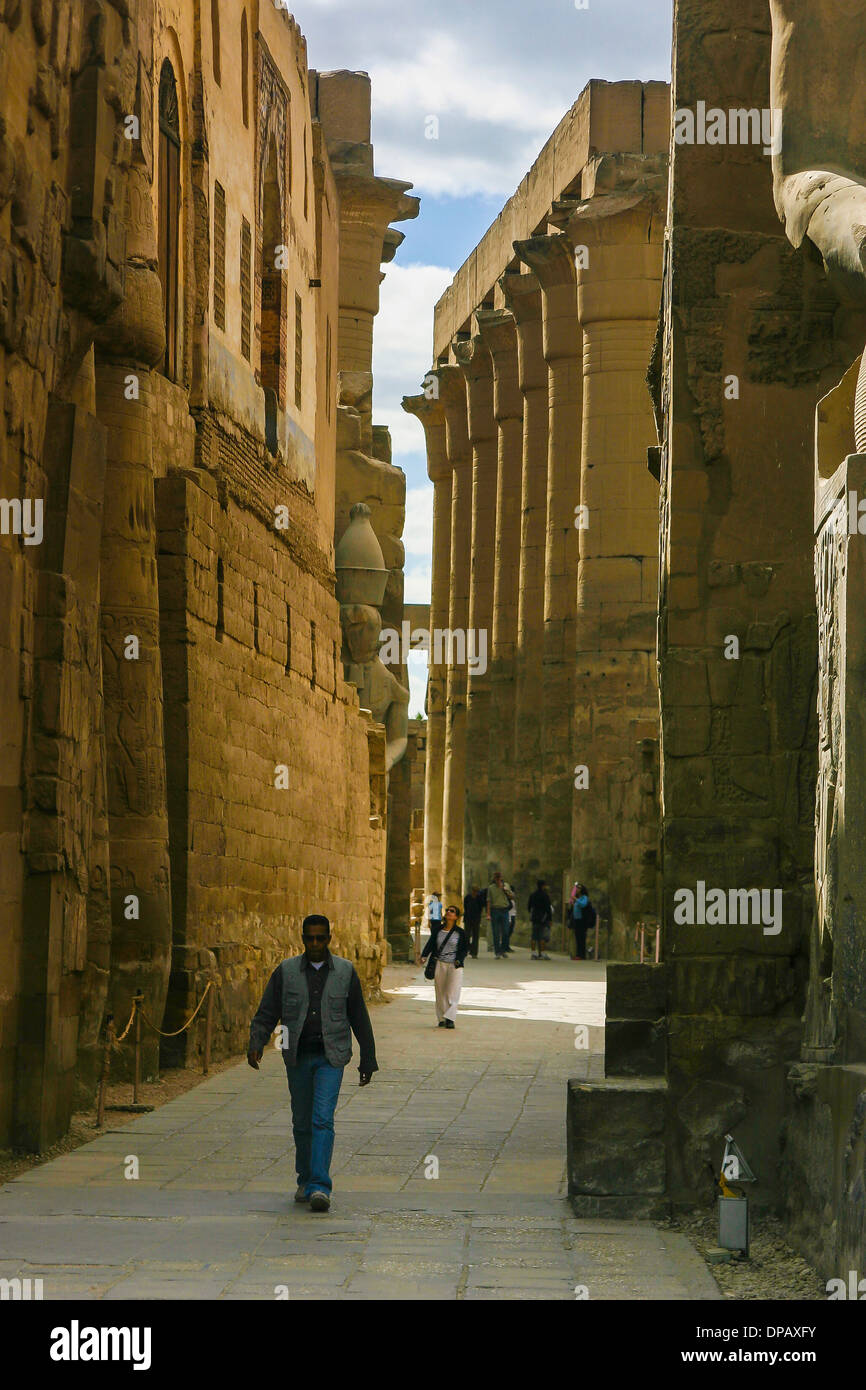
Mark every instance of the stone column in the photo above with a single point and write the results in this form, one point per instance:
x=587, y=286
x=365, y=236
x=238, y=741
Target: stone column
x=552, y=259
x=432, y=417
x=132, y=342
x=498, y=331
x=616, y=692
x=523, y=297
x=452, y=390
x=477, y=366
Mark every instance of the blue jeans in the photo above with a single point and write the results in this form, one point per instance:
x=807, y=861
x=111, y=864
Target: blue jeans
x=499, y=923
x=314, y=1086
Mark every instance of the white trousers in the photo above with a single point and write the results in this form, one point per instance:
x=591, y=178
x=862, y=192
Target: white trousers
x=447, y=982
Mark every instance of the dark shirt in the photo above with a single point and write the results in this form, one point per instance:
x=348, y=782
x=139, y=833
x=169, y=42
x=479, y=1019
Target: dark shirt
x=311, y=1034
x=539, y=906
x=473, y=908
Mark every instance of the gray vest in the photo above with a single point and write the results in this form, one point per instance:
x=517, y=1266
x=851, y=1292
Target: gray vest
x=336, y=1032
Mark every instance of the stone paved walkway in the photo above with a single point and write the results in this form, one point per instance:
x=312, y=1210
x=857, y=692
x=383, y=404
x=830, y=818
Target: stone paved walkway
x=210, y=1214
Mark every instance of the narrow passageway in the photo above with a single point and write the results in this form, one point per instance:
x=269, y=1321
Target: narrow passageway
x=449, y=1172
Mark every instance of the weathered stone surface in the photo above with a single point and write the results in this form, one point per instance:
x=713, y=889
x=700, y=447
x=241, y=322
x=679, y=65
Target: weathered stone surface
x=616, y=1139
x=636, y=991
x=634, y=1047
x=184, y=773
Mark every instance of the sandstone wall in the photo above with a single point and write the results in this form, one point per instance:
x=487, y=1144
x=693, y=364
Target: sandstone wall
x=748, y=339
x=251, y=860
x=150, y=781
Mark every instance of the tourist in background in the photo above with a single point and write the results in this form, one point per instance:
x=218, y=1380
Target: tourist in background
x=473, y=907
x=499, y=899
x=447, y=949
x=512, y=922
x=540, y=910
x=434, y=910
x=583, y=917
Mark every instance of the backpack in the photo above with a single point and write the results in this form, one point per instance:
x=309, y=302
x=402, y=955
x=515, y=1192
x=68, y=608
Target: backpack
x=589, y=916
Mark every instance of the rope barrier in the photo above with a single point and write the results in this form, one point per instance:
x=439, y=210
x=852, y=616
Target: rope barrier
x=113, y=1041
x=116, y=1040
x=207, y=988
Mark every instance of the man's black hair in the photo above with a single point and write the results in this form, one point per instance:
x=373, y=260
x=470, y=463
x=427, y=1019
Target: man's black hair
x=541, y=883
x=315, y=920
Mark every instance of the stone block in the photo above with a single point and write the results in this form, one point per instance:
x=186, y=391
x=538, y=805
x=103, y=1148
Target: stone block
x=685, y=681
x=634, y=1047
x=686, y=730
x=616, y=1138
x=636, y=991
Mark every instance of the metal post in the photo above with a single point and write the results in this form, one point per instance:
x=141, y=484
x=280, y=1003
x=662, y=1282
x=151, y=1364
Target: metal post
x=103, y=1080
x=208, y=1027
x=136, y=1004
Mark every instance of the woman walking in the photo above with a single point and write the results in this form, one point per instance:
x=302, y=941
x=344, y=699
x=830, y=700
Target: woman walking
x=446, y=950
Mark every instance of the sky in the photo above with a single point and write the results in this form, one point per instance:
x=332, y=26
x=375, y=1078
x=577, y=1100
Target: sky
x=498, y=76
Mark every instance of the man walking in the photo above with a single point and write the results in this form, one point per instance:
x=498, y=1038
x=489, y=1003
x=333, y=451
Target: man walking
x=473, y=906
x=540, y=910
x=434, y=911
x=499, y=898
x=319, y=1001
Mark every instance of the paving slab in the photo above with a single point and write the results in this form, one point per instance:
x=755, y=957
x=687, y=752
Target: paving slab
x=211, y=1215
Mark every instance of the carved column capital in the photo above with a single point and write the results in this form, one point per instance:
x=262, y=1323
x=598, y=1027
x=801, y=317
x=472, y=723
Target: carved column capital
x=522, y=294
x=477, y=366
x=452, y=394
x=552, y=260
x=432, y=417
x=499, y=331
x=550, y=257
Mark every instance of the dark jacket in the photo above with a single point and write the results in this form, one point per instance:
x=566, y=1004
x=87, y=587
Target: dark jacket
x=462, y=943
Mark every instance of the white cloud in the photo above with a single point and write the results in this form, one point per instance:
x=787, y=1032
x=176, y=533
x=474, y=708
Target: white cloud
x=403, y=347
x=418, y=530
x=498, y=74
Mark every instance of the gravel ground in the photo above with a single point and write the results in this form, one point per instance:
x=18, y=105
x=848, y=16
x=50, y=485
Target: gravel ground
x=773, y=1270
